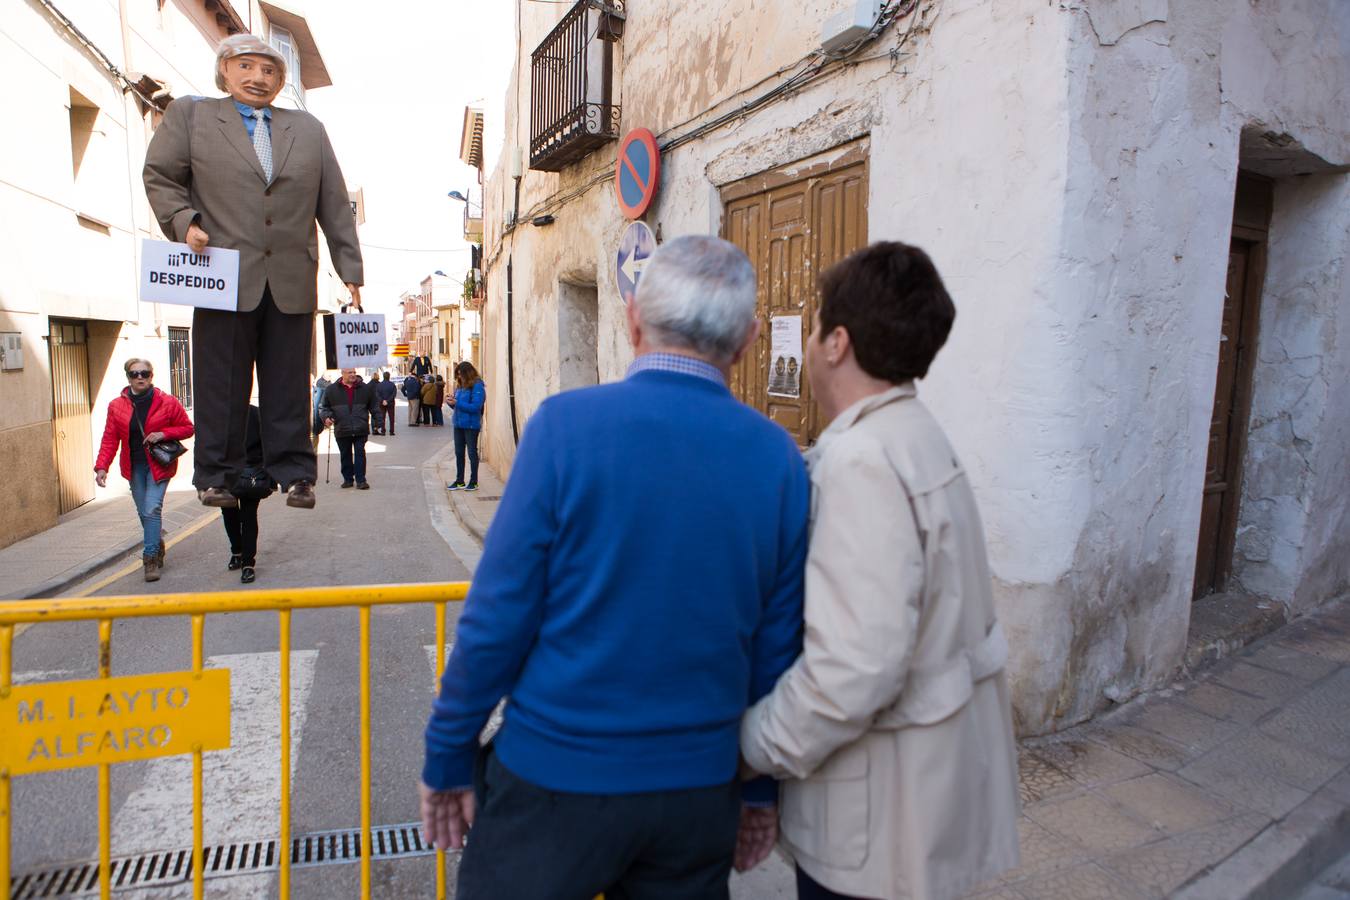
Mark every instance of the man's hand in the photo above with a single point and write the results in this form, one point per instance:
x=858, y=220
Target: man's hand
x=756, y=837
x=447, y=816
x=196, y=238
x=101, y=477
x=328, y=421
x=154, y=437
x=356, y=294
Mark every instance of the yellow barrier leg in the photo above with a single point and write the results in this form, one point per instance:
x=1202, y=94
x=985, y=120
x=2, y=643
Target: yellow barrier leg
x=365, y=752
x=284, y=844
x=105, y=775
x=198, y=863
x=440, y=665
x=6, y=674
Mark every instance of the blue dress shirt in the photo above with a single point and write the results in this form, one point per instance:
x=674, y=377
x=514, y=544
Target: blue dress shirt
x=246, y=113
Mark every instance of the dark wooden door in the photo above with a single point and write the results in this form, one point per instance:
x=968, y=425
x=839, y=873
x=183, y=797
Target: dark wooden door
x=1218, y=516
x=793, y=223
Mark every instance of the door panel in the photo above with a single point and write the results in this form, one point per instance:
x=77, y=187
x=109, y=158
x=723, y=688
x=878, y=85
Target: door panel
x=792, y=229
x=71, y=419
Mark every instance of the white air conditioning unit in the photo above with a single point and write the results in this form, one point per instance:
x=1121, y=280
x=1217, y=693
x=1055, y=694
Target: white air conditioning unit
x=846, y=28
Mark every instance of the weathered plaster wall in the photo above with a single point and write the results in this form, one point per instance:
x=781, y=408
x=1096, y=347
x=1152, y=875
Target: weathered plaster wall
x=1294, y=535
x=1071, y=170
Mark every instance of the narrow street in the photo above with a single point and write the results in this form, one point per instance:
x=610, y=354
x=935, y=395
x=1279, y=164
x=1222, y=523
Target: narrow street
x=352, y=537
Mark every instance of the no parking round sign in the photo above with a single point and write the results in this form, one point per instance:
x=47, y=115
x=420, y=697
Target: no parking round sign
x=637, y=172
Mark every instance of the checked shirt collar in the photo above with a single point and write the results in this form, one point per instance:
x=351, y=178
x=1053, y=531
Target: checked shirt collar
x=674, y=362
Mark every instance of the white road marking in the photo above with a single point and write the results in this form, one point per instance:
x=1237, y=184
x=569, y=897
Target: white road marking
x=241, y=785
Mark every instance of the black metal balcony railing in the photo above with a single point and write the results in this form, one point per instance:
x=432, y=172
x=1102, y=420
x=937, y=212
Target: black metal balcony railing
x=572, y=108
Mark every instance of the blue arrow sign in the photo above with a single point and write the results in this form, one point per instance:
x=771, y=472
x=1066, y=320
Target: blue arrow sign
x=636, y=247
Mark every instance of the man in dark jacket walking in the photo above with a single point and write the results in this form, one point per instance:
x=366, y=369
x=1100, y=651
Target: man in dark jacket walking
x=386, y=391
x=412, y=389
x=347, y=407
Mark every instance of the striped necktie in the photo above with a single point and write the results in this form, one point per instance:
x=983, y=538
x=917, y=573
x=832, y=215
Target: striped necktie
x=262, y=142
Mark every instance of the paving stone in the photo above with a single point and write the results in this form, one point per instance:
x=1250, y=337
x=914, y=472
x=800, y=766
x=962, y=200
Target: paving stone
x=1168, y=803
x=1318, y=720
x=1085, y=882
x=1093, y=822
x=1303, y=666
x=1089, y=763
x=1213, y=699
x=1165, y=865
x=1331, y=647
x=1323, y=892
x=1260, y=773
x=1261, y=682
x=1149, y=748
x=1339, y=787
x=995, y=894
x=1042, y=851
x=1185, y=726
x=1038, y=780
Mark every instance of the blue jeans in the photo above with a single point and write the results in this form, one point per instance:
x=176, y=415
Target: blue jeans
x=437, y=415
x=352, y=453
x=149, y=498
x=466, y=438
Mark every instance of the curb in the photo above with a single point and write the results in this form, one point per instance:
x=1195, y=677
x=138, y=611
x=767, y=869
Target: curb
x=1284, y=858
x=466, y=518
x=81, y=571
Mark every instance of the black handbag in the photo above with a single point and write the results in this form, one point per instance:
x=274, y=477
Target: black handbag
x=253, y=483
x=165, y=452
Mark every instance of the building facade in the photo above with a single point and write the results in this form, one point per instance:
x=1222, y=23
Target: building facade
x=1141, y=210
x=96, y=78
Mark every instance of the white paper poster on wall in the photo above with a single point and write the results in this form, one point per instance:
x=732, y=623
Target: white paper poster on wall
x=361, y=340
x=785, y=356
x=172, y=273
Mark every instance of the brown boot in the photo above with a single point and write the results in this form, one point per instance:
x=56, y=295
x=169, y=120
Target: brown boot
x=152, y=567
x=300, y=495
x=217, y=497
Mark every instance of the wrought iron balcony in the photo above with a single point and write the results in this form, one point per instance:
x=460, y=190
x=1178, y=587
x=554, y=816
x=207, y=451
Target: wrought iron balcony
x=572, y=108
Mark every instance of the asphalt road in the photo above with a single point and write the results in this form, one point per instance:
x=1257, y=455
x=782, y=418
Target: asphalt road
x=384, y=535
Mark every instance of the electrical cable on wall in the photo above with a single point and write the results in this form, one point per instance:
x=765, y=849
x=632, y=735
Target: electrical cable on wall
x=127, y=85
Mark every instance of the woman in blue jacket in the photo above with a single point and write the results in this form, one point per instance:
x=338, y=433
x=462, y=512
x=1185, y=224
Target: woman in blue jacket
x=470, y=396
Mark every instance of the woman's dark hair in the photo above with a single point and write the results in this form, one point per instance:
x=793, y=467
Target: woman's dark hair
x=466, y=376
x=892, y=302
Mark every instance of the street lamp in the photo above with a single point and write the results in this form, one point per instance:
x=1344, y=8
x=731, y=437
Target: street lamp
x=456, y=195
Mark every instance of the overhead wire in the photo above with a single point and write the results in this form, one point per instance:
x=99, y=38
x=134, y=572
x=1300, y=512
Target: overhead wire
x=103, y=58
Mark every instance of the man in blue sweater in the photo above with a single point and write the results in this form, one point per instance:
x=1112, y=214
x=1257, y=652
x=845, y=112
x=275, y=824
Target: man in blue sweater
x=641, y=585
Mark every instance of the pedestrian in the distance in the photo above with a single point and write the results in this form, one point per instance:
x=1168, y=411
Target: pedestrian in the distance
x=252, y=487
x=346, y=407
x=387, y=392
x=412, y=392
x=316, y=400
x=428, y=399
x=140, y=416
x=377, y=415
x=437, y=413
x=467, y=420
x=896, y=717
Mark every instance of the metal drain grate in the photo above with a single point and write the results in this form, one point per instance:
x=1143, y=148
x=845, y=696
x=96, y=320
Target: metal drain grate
x=244, y=857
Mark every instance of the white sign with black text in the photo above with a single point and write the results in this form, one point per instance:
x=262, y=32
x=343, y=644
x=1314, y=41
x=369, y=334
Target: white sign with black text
x=172, y=273
x=361, y=340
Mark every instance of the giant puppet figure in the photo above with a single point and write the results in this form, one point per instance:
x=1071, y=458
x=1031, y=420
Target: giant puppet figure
x=237, y=172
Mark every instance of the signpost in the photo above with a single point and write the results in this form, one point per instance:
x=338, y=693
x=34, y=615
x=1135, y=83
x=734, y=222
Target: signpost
x=636, y=247
x=360, y=340
x=69, y=724
x=172, y=273
x=637, y=172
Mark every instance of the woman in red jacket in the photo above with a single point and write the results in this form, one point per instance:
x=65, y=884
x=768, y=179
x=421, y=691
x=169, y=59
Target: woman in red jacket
x=141, y=416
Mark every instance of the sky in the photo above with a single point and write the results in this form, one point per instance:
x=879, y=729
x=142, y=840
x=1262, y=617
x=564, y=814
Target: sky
x=403, y=71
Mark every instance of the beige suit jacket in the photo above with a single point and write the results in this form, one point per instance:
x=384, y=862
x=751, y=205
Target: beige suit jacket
x=895, y=722
x=201, y=166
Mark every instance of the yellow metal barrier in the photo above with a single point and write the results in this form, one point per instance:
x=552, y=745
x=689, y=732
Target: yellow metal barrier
x=105, y=610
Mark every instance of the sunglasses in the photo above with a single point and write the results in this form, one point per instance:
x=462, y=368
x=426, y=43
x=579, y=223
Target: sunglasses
x=139, y=373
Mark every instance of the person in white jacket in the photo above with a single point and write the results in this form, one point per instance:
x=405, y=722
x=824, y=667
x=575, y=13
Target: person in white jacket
x=894, y=725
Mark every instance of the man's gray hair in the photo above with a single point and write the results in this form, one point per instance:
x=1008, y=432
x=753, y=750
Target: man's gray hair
x=245, y=45
x=697, y=292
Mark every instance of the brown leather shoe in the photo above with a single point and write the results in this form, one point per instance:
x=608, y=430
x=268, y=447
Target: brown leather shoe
x=151, y=567
x=217, y=497
x=300, y=495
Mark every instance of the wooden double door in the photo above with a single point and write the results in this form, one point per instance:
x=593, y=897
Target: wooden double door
x=793, y=223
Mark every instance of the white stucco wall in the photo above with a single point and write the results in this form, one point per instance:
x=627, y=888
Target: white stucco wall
x=1071, y=169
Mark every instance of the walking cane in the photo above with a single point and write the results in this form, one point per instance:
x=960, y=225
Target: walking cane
x=328, y=469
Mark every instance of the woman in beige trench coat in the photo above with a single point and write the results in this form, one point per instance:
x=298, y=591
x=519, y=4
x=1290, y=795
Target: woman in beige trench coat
x=894, y=725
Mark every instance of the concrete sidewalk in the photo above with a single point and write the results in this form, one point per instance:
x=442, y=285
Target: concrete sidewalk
x=474, y=509
x=101, y=532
